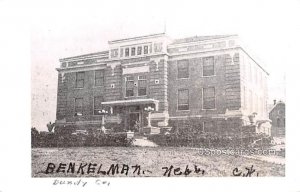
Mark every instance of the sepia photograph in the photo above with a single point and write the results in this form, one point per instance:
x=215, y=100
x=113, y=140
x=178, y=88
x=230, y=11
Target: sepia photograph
x=186, y=90
x=156, y=106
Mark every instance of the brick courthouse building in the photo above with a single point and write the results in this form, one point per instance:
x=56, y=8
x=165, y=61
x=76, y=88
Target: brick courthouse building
x=208, y=79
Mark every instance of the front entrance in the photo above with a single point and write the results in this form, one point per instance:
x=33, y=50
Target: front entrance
x=134, y=122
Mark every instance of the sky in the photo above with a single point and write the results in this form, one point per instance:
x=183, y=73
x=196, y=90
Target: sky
x=68, y=28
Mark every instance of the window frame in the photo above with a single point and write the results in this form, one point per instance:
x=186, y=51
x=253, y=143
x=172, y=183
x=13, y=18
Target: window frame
x=187, y=68
x=77, y=80
x=278, y=121
x=126, y=80
x=127, y=52
x=99, y=77
x=146, y=49
x=138, y=85
x=75, y=105
x=188, y=100
x=139, y=50
x=94, y=108
x=203, y=108
x=132, y=50
x=213, y=64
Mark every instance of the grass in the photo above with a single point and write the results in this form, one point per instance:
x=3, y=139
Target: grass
x=151, y=159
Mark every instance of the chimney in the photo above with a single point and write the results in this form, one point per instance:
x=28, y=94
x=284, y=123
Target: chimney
x=274, y=101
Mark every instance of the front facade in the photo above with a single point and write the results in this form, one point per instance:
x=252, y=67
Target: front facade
x=210, y=79
x=277, y=116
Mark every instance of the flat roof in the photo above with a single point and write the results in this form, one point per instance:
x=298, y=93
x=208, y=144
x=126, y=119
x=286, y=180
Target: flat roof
x=136, y=38
x=101, y=53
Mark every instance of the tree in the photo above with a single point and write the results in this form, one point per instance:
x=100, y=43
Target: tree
x=34, y=131
x=50, y=126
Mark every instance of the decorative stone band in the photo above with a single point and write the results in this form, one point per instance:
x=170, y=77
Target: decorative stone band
x=133, y=70
x=132, y=102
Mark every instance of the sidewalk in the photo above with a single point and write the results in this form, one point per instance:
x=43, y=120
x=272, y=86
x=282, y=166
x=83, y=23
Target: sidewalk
x=271, y=159
x=143, y=142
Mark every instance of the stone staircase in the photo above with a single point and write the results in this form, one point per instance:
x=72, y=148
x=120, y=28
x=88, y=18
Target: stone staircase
x=142, y=141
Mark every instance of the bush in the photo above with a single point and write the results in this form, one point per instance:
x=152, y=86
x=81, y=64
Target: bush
x=67, y=139
x=208, y=140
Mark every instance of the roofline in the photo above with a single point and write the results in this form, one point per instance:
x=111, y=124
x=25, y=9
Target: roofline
x=101, y=53
x=279, y=102
x=254, y=60
x=213, y=38
x=135, y=38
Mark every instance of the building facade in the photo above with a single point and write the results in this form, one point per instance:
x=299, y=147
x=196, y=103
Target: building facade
x=277, y=116
x=210, y=79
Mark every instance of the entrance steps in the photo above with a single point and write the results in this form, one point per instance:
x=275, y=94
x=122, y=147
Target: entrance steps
x=142, y=141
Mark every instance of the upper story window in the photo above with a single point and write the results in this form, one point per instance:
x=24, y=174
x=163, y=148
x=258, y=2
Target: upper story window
x=278, y=122
x=142, y=85
x=183, y=69
x=209, y=99
x=208, y=66
x=79, y=80
x=183, y=99
x=133, y=51
x=97, y=104
x=78, y=106
x=127, y=52
x=129, y=86
x=139, y=50
x=99, y=77
x=146, y=49
x=114, y=53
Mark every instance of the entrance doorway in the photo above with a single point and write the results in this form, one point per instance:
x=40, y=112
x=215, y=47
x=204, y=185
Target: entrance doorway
x=134, y=121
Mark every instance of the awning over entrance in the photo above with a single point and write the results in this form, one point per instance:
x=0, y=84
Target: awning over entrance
x=132, y=102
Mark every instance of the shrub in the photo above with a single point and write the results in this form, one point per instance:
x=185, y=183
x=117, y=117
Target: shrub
x=67, y=139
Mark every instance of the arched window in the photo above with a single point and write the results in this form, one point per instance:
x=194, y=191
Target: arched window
x=278, y=122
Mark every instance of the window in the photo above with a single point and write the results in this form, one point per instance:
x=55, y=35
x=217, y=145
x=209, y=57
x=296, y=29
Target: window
x=183, y=69
x=129, y=86
x=97, y=104
x=99, y=77
x=278, y=122
x=79, y=79
x=114, y=53
x=139, y=50
x=209, y=98
x=142, y=85
x=133, y=51
x=126, y=52
x=183, y=99
x=78, y=106
x=208, y=66
x=146, y=49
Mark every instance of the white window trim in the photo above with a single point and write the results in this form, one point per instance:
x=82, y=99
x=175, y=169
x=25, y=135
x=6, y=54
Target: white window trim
x=188, y=70
x=95, y=78
x=203, y=98
x=136, y=48
x=126, y=79
x=94, y=105
x=82, y=79
x=213, y=65
x=178, y=100
x=139, y=79
x=75, y=104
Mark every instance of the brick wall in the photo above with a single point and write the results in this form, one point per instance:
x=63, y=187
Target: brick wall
x=195, y=83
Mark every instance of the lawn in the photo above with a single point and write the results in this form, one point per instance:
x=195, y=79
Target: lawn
x=144, y=162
